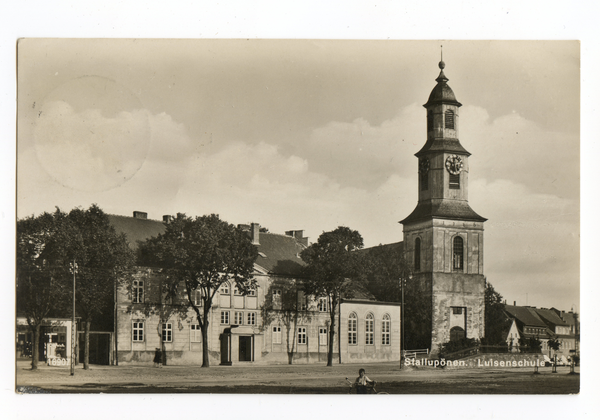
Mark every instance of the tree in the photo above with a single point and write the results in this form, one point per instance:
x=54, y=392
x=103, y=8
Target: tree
x=39, y=294
x=385, y=268
x=102, y=257
x=201, y=254
x=496, y=321
x=52, y=246
x=282, y=304
x=553, y=344
x=332, y=270
x=163, y=299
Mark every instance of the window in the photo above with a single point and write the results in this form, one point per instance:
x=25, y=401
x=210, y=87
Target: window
x=138, y=291
x=301, y=301
x=238, y=318
x=236, y=291
x=276, y=299
x=369, y=329
x=224, y=317
x=197, y=295
x=454, y=182
x=252, y=292
x=224, y=290
x=457, y=253
x=457, y=310
x=424, y=180
x=417, y=254
x=195, y=333
x=322, y=336
x=138, y=331
x=167, y=333
x=322, y=304
x=301, y=335
x=450, y=119
x=251, y=318
x=429, y=121
x=385, y=330
x=276, y=335
x=352, y=327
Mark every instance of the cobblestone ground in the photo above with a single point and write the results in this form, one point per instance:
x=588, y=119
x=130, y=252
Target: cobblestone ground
x=295, y=379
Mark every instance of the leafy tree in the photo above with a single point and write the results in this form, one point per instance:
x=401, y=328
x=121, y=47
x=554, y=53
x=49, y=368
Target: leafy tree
x=102, y=257
x=332, y=268
x=55, y=245
x=553, y=344
x=530, y=345
x=282, y=305
x=163, y=299
x=496, y=321
x=201, y=254
x=385, y=269
x=39, y=293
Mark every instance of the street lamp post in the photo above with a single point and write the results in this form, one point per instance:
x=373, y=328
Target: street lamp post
x=402, y=347
x=73, y=328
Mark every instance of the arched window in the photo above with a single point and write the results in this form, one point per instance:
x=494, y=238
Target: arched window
x=449, y=119
x=417, y=254
x=224, y=290
x=456, y=334
x=429, y=121
x=457, y=253
x=352, y=328
x=369, y=329
x=385, y=330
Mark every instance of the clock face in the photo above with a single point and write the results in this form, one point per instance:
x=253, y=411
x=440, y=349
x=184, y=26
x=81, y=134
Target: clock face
x=454, y=164
x=423, y=165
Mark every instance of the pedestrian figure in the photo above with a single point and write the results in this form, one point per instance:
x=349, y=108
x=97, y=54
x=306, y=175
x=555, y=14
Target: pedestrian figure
x=157, y=357
x=362, y=382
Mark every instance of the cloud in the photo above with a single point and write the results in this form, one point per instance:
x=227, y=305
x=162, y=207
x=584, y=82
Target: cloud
x=86, y=150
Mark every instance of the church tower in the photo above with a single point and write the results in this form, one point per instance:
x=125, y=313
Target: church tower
x=443, y=236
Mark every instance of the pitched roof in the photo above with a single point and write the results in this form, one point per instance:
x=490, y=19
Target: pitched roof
x=443, y=209
x=280, y=254
x=525, y=315
x=551, y=317
x=136, y=229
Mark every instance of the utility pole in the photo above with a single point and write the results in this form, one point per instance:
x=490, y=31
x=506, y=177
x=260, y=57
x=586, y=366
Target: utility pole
x=402, y=347
x=73, y=327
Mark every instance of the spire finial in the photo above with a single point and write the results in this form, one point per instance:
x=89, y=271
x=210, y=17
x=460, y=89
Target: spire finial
x=442, y=64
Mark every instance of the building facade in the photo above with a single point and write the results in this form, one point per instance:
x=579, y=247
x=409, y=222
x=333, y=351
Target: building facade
x=443, y=236
x=273, y=324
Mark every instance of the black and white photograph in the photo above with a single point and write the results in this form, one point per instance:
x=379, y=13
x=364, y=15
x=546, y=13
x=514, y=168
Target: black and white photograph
x=282, y=208
x=218, y=217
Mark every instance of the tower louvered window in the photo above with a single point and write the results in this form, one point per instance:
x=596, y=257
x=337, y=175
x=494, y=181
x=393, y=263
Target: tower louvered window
x=418, y=254
x=429, y=121
x=457, y=254
x=449, y=123
x=454, y=182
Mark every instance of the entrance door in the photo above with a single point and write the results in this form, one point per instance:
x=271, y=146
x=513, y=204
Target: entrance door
x=457, y=334
x=245, y=348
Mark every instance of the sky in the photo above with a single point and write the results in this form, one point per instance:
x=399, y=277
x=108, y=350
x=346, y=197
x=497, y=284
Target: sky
x=310, y=135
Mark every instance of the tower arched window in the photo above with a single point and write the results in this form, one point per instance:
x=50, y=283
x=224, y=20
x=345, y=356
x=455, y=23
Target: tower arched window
x=417, y=254
x=429, y=121
x=449, y=120
x=457, y=253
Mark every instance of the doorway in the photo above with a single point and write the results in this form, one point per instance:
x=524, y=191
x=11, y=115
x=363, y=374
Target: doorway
x=245, y=348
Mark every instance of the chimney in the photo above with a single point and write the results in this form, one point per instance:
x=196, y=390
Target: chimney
x=514, y=303
x=140, y=215
x=299, y=235
x=254, y=233
x=167, y=218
